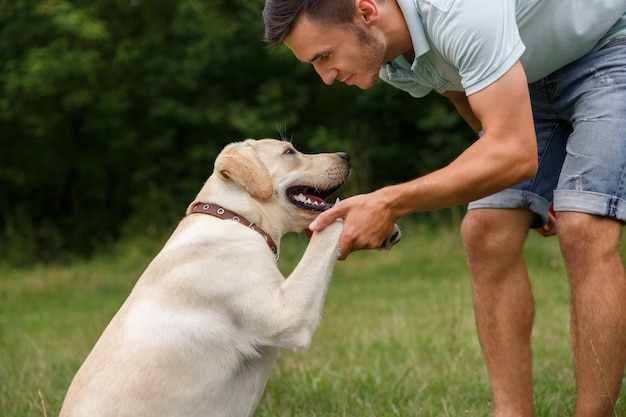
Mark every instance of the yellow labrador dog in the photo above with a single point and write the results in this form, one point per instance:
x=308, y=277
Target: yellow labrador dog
x=199, y=333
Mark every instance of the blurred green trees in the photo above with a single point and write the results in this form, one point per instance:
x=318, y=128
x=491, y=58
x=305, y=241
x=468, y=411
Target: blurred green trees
x=112, y=111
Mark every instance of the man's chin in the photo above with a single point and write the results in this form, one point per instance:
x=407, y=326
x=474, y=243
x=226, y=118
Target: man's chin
x=369, y=85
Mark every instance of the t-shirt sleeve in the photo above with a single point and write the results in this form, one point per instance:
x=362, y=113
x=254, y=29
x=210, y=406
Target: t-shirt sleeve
x=479, y=37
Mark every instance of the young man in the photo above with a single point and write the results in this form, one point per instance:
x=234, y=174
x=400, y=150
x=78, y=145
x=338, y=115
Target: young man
x=544, y=85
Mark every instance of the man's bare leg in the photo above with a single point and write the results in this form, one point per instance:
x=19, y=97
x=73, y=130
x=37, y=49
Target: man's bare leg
x=590, y=247
x=503, y=303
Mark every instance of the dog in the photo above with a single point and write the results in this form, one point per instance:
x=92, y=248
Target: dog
x=200, y=331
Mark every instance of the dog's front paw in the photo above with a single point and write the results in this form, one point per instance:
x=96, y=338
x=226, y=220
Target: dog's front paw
x=332, y=231
x=335, y=228
x=394, y=238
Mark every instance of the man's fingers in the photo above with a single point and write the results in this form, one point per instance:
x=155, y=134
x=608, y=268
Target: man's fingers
x=315, y=226
x=550, y=228
x=324, y=219
x=344, y=249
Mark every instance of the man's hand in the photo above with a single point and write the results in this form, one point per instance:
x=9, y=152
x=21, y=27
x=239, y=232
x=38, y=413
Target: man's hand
x=548, y=229
x=367, y=223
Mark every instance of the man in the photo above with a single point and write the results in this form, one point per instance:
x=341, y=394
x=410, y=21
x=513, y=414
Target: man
x=544, y=85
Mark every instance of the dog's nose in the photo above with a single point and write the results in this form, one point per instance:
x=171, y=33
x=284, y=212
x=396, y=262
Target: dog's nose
x=344, y=156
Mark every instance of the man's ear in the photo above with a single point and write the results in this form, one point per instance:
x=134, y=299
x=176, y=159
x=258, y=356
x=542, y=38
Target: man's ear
x=241, y=164
x=367, y=11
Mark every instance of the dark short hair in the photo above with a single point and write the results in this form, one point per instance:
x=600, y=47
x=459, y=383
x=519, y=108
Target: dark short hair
x=280, y=16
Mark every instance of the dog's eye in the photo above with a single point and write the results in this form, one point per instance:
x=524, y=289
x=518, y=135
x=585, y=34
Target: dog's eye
x=290, y=151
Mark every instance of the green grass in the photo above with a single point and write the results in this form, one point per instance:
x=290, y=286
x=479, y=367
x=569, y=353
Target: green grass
x=397, y=337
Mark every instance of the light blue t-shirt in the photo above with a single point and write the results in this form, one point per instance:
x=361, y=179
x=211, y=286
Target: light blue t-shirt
x=465, y=45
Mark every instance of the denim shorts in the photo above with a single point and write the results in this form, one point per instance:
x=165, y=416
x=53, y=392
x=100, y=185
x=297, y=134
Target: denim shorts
x=580, y=123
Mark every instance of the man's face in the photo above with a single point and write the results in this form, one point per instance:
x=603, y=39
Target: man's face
x=346, y=54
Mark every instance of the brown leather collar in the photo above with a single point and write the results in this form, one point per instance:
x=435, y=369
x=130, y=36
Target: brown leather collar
x=222, y=213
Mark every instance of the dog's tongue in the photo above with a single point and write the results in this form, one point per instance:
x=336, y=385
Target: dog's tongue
x=308, y=233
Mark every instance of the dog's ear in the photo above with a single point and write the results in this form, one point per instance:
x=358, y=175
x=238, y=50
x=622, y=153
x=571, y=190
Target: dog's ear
x=241, y=164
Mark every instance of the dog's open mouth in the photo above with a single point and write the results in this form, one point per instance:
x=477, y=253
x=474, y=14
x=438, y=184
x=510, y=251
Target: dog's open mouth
x=310, y=198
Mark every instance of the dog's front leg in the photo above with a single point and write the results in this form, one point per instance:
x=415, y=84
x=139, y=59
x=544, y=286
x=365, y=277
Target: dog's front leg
x=304, y=291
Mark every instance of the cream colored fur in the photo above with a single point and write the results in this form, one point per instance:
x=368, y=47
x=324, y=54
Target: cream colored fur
x=200, y=331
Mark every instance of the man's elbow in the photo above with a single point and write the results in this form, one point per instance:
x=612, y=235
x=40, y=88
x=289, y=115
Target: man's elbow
x=530, y=169
x=525, y=169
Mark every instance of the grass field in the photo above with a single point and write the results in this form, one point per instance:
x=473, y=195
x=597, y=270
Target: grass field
x=397, y=337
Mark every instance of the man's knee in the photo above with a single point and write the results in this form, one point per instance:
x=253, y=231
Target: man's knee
x=483, y=239
x=494, y=229
x=582, y=235
x=471, y=227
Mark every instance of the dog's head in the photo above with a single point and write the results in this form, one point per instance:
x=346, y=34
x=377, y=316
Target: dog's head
x=285, y=188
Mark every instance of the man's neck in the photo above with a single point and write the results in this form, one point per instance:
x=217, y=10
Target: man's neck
x=396, y=32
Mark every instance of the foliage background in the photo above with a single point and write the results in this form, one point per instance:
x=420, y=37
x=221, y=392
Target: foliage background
x=112, y=111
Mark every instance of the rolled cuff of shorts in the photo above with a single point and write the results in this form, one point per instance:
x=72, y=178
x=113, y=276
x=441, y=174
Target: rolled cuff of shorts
x=590, y=203
x=513, y=199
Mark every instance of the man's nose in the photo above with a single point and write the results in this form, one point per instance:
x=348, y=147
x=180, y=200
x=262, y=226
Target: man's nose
x=328, y=75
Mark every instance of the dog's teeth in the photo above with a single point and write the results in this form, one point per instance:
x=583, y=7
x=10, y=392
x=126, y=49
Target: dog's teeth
x=306, y=200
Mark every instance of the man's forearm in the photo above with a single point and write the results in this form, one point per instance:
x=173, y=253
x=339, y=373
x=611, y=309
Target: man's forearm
x=489, y=165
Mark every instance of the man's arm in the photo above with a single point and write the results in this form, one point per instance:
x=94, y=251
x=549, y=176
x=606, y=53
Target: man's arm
x=505, y=155
x=461, y=103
